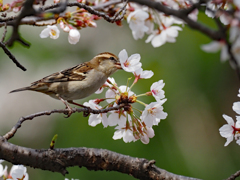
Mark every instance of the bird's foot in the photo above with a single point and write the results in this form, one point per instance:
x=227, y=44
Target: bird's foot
x=85, y=113
x=69, y=113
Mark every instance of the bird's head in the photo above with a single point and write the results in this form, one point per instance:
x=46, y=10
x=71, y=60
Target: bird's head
x=106, y=62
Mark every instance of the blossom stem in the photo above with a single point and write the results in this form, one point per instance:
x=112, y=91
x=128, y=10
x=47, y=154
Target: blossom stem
x=157, y=17
x=131, y=86
x=108, y=104
x=128, y=81
x=137, y=109
x=140, y=102
x=141, y=95
x=77, y=11
x=114, y=85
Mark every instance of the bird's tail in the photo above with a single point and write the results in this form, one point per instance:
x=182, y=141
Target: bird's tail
x=20, y=89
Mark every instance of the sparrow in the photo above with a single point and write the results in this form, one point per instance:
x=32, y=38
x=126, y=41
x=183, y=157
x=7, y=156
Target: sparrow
x=77, y=82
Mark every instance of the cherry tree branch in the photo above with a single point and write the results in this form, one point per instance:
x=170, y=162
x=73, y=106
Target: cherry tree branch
x=14, y=129
x=57, y=160
x=11, y=56
x=234, y=176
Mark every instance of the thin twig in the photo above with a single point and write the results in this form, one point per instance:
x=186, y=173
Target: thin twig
x=14, y=129
x=234, y=176
x=122, y=10
x=11, y=56
x=4, y=32
x=90, y=9
x=106, y=4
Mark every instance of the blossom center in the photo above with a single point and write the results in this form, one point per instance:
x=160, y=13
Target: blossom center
x=152, y=111
x=126, y=63
x=53, y=32
x=155, y=91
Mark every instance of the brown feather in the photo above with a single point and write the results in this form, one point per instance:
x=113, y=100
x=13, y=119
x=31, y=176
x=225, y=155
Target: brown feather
x=76, y=73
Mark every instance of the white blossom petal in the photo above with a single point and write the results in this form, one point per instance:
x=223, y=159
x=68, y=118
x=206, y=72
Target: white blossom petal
x=74, y=36
x=236, y=107
x=213, y=46
x=229, y=120
x=51, y=31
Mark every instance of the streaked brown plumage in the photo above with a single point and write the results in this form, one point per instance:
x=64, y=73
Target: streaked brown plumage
x=77, y=82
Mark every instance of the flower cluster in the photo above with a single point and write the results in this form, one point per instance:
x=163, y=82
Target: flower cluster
x=159, y=27
x=15, y=6
x=221, y=9
x=232, y=129
x=17, y=172
x=143, y=20
x=53, y=32
x=70, y=23
x=131, y=124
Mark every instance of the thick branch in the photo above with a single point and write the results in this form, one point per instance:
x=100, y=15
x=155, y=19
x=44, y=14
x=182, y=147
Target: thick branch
x=27, y=10
x=58, y=160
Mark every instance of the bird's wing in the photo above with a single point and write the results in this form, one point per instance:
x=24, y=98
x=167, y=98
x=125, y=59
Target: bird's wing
x=76, y=73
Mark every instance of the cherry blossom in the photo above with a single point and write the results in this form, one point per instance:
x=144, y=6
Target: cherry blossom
x=3, y=171
x=215, y=46
x=117, y=118
x=148, y=133
x=141, y=74
x=126, y=134
x=236, y=49
x=234, y=33
x=95, y=119
x=228, y=130
x=129, y=64
x=194, y=15
x=64, y=27
x=136, y=20
x=110, y=95
x=51, y=31
x=111, y=82
x=18, y=172
x=160, y=37
x=236, y=107
x=211, y=8
x=153, y=113
x=157, y=91
x=73, y=36
x=99, y=91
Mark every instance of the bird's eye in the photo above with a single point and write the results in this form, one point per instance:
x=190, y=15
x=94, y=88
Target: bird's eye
x=112, y=58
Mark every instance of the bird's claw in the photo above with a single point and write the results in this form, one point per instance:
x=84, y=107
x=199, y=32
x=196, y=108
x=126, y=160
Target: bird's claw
x=86, y=113
x=69, y=113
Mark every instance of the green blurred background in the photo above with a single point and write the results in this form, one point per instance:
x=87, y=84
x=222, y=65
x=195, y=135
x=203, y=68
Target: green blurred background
x=199, y=89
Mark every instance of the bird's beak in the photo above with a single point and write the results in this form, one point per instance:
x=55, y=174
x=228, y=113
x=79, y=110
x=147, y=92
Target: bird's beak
x=118, y=65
